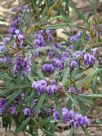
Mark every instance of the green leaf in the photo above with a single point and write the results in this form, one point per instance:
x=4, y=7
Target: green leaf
x=29, y=98
x=85, y=131
x=65, y=75
x=55, y=26
x=71, y=131
x=58, y=106
x=11, y=97
x=40, y=103
x=23, y=125
x=91, y=95
x=40, y=49
x=90, y=77
x=30, y=78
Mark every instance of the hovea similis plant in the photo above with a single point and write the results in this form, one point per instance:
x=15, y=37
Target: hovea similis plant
x=44, y=79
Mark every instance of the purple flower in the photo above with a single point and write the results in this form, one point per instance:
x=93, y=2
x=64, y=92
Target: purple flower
x=73, y=64
x=74, y=123
x=3, y=104
x=89, y=59
x=75, y=37
x=6, y=39
x=51, y=89
x=39, y=40
x=15, y=22
x=65, y=114
x=65, y=55
x=34, y=101
x=70, y=47
x=82, y=120
x=78, y=54
x=48, y=32
x=75, y=119
x=17, y=32
x=51, y=54
x=2, y=49
x=52, y=82
x=71, y=89
x=12, y=109
x=26, y=111
x=55, y=114
x=87, y=37
x=3, y=60
x=94, y=51
x=49, y=68
x=20, y=37
x=58, y=45
x=92, y=59
x=57, y=63
x=22, y=65
x=39, y=86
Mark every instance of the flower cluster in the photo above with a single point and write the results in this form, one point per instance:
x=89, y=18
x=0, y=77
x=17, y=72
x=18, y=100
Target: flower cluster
x=40, y=40
x=89, y=59
x=22, y=66
x=72, y=89
x=76, y=120
x=43, y=86
x=16, y=20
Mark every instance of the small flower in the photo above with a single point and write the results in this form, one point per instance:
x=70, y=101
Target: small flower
x=51, y=89
x=12, y=109
x=26, y=111
x=3, y=60
x=6, y=39
x=58, y=45
x=48, y=32
x=2, y=49
x=49, y=68
x=65, y=55
x=87, y=37
x=65, y=114
x=3, y=104
x=92, y=59
x=57, y=63
x=94, y=51
x=78, y=54
x=71, y=89
x=55, y=114
x=51, y=54
x=73, y=64
x=75, y=37
x=22, y=65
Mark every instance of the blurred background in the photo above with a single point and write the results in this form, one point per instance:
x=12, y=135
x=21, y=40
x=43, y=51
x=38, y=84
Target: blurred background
x=74, y=10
